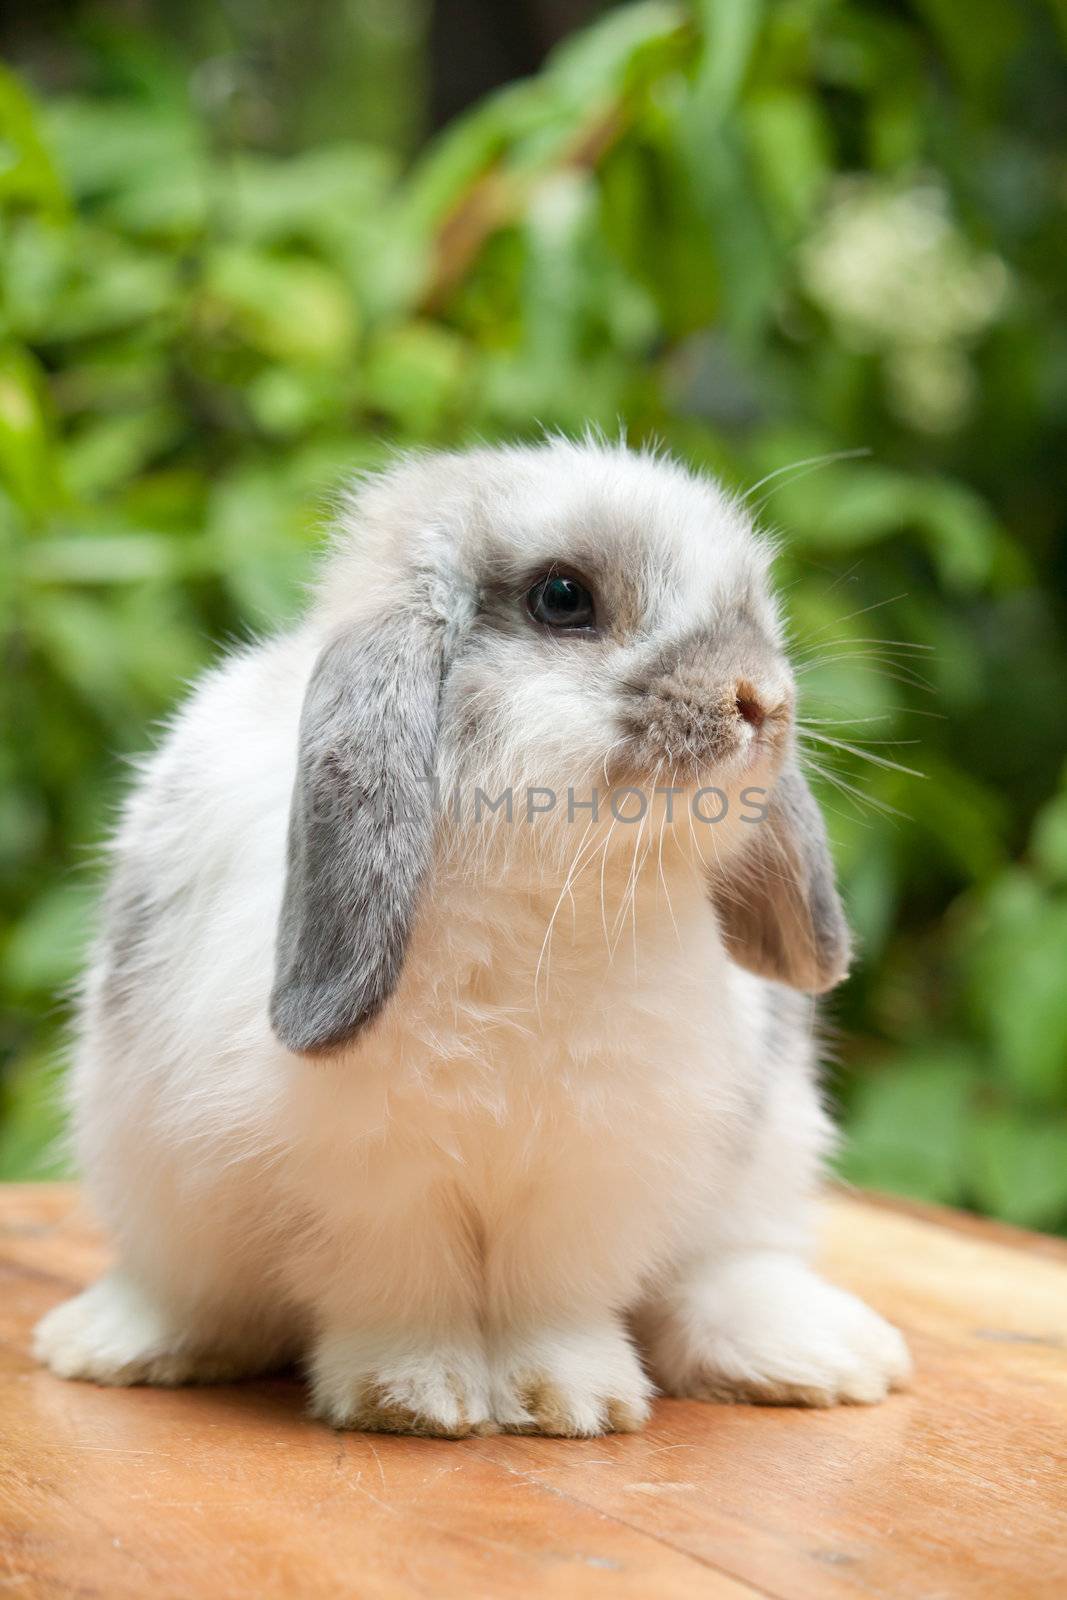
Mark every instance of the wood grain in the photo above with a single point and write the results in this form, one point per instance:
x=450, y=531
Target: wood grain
x=957, y=1489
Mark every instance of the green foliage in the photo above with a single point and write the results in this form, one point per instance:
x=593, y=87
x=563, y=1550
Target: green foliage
x=814, y=246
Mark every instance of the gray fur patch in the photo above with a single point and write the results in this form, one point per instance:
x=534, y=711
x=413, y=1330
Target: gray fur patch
x=778, y=906
x=788, y=1017
x=130, y=914
x=361, y=830
x=133, y=949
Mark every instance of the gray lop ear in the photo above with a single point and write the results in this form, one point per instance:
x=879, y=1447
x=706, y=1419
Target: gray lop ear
x=361, y=829
x=777, y=903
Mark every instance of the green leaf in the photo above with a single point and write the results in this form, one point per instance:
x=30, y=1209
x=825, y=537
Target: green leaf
x=731, y=29
x=1019, y=1168
x=1049, y=841
x=91, y=558
x=251, y=535
x=27, y=468
x=44, y=950
x=979, y=38
x=317, y=195
x=963, y=819
x=415, y=374
x=870, y=877
x=455, y=161
x=111, y=451
x=27, y=174
x=1017, y=965
x=289, y=307
x=724, y=198
x=78, y=637
x=850, y=506
x=790, y=149
x=120, y=146
x=908, y=1128
x=601, y=61
x=112, y=287
x=32, y=1119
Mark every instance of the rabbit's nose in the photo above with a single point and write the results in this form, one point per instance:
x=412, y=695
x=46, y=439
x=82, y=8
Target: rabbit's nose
x=750, y=706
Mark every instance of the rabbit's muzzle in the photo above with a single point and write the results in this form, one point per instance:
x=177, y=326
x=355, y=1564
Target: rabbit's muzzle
x=706, y=703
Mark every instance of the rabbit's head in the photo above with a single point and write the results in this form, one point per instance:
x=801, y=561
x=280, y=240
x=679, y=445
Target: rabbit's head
x=560, y=638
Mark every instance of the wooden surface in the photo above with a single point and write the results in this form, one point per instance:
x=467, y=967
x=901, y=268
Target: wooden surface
x=957, y=1489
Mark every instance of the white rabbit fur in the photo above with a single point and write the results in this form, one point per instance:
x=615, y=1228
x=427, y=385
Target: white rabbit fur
x=578, y=1125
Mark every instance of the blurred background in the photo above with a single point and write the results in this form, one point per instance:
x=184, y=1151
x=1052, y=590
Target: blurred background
x=816, y=246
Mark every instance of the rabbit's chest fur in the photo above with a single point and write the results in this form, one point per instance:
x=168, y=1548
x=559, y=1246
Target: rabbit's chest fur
x=612, y=1098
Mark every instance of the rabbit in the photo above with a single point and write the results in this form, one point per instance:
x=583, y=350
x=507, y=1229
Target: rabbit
x=450, y=1029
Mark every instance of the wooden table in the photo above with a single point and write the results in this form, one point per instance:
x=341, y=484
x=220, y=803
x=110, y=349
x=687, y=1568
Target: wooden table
x=956, y=1489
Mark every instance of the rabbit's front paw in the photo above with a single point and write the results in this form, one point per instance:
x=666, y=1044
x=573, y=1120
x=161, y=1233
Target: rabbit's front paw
x=376, y=1385
x=572, y=1383
x=114, y=1334
x=767, y=1330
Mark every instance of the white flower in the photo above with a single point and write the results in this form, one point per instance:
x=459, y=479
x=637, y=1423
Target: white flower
x=891, y=268
x=898, y=278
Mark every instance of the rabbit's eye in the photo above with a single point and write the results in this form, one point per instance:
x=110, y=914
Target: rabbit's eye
x=562, y=603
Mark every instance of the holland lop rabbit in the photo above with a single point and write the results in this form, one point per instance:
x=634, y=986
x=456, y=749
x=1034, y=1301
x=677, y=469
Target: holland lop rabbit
x=450, y=1027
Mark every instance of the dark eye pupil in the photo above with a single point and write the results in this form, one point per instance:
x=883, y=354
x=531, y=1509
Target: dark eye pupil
x=563, y=596
x=560, y=602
